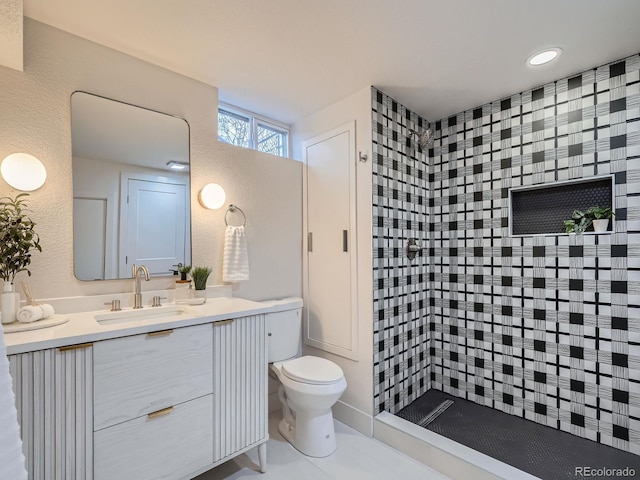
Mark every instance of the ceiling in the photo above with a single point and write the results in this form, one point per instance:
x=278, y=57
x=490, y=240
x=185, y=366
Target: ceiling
x=109, y=131
x=289, y=58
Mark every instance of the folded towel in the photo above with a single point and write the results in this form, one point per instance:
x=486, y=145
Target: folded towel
x=47, y=310
x=29, y=313
x=33, y=313
x=11, y=458
x=235, y=261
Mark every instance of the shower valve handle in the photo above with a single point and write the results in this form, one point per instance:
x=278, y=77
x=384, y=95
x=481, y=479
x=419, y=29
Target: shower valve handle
x=412, y=248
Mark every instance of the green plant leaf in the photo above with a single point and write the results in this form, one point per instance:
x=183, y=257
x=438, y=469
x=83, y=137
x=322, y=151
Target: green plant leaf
x=17, y=237
x=200, y=275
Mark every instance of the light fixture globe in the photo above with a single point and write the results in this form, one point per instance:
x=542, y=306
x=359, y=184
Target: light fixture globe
x=23, y=172
x=212, y=196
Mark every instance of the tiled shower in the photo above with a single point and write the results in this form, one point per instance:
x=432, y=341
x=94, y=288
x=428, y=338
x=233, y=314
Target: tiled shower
x=400, y=288
x=543, y=327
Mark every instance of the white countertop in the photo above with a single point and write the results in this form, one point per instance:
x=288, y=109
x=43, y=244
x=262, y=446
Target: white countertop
x=83, y=327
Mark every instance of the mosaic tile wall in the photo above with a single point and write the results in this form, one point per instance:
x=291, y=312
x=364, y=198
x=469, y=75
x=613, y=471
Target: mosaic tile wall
x=400, y=212
x=543, y=327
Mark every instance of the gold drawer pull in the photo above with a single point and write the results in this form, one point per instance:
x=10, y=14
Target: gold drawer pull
x=160, y=413
x=160, y=333
x=66, y=348
x=223, y=322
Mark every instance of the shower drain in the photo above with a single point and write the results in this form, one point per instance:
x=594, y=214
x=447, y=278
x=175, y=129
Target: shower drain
x=435, y=413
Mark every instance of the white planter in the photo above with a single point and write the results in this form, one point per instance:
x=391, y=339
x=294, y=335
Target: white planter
x=200, y=294
x=9, y=303
x=601, y=225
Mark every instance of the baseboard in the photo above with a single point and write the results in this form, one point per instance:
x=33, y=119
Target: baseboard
x=354, y=418
x=450, y=458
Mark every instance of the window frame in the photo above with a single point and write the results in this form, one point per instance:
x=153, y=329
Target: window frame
x=255, y=121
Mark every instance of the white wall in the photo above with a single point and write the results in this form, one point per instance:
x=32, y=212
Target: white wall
x=35, y=106
x=357, y=402
x=104, y=177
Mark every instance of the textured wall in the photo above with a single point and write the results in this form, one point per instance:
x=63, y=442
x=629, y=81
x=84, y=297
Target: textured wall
x=400, y=285
x=543, y=327
x=36, y=119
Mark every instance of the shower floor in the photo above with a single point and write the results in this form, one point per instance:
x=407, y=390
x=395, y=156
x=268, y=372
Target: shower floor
x=542, y=451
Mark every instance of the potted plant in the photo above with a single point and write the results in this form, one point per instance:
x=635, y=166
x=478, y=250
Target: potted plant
x=599, y=216
x=578, y=223
x=17, y=238
x=184, y=270
x=200, y=275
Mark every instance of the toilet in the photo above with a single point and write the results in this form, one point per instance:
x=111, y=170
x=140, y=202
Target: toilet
x=309, y=386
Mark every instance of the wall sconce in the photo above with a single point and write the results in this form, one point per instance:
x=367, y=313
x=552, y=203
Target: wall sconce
x=23, y=172
x=212, y=196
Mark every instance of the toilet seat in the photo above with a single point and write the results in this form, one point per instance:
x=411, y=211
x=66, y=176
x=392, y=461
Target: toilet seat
x=312, y=370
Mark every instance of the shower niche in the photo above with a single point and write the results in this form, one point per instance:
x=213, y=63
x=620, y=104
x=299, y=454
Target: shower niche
x=542, y=209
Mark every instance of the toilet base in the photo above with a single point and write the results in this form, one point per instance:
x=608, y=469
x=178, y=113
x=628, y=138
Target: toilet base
x=313, y=433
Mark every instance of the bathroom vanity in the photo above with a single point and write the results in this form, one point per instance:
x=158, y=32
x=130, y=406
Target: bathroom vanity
x=165, y=395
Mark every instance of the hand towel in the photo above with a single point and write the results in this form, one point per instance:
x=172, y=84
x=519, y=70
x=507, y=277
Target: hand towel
x=33, y=313
x=11, y=457
x=235, y=261
x=47, y=310
x=29, y=313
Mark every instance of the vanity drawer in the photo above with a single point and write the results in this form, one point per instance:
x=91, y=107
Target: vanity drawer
x=140, y=374
x=169, y=445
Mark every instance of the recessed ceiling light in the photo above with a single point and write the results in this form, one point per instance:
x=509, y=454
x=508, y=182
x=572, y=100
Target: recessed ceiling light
x=173, y=165
x=543, y=57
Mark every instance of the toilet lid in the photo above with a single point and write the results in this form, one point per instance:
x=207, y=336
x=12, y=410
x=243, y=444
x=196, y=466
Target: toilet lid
x=312, y=370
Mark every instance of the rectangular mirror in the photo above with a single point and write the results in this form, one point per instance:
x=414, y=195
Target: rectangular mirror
x=130, y=189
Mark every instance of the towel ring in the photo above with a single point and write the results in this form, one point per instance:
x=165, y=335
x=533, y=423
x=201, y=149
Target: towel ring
x=232, y=208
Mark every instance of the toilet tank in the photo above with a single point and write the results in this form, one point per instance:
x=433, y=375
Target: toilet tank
x=284, y=328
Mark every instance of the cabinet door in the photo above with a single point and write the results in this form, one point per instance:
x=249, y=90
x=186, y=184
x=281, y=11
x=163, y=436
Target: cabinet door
x=239, y=384
x=54, y=399
x=330, y=274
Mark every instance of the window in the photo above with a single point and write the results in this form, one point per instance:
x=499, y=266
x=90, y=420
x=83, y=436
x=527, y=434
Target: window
x=234, y=128
x=248, y=130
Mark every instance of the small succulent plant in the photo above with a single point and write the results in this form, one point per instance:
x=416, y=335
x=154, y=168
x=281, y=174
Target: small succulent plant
x=200, y=275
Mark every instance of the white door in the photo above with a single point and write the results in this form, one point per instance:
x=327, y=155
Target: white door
x=89, y=235
x=330, y=276
x=155, y=227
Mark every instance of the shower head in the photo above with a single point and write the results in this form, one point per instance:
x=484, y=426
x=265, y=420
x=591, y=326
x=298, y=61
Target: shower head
x=425, y=139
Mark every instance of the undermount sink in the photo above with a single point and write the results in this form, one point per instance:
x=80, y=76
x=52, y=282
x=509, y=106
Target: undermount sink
x=166, y=312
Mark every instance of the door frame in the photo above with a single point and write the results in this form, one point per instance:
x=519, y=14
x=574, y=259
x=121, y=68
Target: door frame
x=111, y=230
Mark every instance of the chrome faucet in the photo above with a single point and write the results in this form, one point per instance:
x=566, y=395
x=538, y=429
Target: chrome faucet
x=137, y=297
